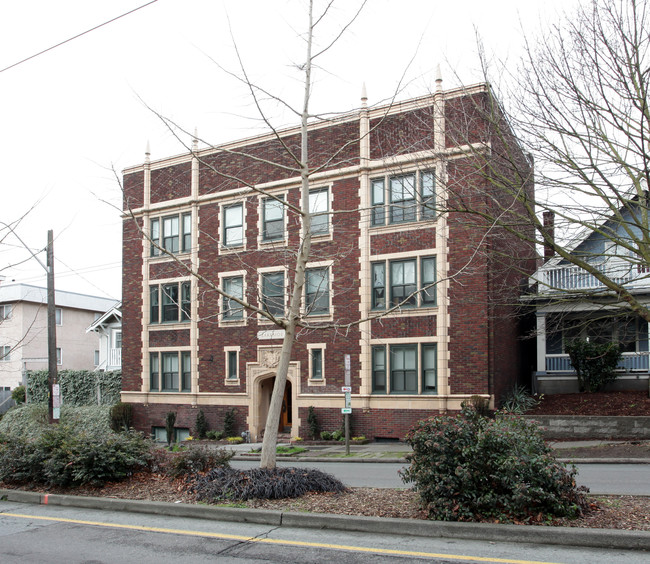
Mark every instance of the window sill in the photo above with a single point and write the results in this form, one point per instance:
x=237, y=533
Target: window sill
x=231, y=250
x=169, y=325
x=232, y=382
x=404, y=226
x=318, y=382
x=406, y=312
x=164, y=257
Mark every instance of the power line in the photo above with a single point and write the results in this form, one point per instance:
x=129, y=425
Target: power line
x=78, y=35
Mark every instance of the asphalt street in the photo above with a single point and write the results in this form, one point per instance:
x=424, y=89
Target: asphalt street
x=615, y=479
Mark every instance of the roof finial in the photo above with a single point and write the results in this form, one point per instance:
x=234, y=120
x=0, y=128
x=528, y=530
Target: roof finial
x=195, y=140
x=147, y=153
x=364, y=95
x=438, y=79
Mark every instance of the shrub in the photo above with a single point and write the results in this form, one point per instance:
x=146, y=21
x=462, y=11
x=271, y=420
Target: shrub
x=214, y=435
x=197, y=459
x=326, y=435
x=201, y=425
x=519, y=401
x=121, y=415
x=338, y=435
x=229, y=423
x=312, y=421
x=170, y=421
x=594, y=363
x=18, y=394
x=263, y=483
x=469, y=467
x=479, y=404
x=63, y=456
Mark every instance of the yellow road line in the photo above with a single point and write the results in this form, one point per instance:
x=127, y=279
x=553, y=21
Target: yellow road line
x=244, y=538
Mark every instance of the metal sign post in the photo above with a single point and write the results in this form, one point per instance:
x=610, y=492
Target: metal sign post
x=347, y=410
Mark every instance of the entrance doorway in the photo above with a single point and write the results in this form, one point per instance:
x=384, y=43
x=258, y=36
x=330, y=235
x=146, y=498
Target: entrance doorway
x=285, y=414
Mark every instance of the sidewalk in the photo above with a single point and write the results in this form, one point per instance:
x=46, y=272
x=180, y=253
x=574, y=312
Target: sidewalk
x=396, y=452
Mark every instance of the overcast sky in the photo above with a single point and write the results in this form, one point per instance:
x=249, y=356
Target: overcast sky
x=72, y=116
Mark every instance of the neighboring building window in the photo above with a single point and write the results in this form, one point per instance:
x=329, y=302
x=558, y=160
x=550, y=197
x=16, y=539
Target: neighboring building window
x=233, y=225
x=59, y=356
x=233, y=372
x=412, y=369
x=175, y=235
x=410, y=197
x=96, y=359
x=5, y=311
x=405, y=278
x=117, y=338
x=234, y=287
x=317, y=291
x=272, y=219
x=58, y=316
x=5, y=353
x=316, y=364
x=273, y=293
x=319, y=203
x=170, y=303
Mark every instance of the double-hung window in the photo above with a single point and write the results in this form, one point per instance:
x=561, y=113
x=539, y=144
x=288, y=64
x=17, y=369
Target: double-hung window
x=410, y=283
x=234, y=288
x=233, y=225
x=411, y=369
x=316, y=364
x=170, y=303
x=403, y=198
x=273, y=293
x=319, y=203
x=233, y=368
x=173, y=233
x=317, y=291
x=272, y=219
x=170, y=371
x=5, y=353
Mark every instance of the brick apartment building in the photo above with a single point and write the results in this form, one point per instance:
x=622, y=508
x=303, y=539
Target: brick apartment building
x=385, y=237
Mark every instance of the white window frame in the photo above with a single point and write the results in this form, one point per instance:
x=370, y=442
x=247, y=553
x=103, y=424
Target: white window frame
x=59, y=356
x=328, y=214
x=329, y=265
x=261, y=241
x=223, y=321
x=180, y=352
x=6, y=312
x=311, y=381
x=227, y=380
x=58, y=316
x=388, y=369
x=260, y=277
x=223, y=206
x=158, y=238
x=383, y=208
x=159, y=285
x=5, y=351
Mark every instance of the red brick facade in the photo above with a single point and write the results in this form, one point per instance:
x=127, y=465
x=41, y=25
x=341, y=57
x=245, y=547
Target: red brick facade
x=427, y=356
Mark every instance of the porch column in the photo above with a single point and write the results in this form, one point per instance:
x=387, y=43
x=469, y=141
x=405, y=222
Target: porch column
x=541, y=342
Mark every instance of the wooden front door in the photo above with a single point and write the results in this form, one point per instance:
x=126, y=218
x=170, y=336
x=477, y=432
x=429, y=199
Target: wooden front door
x=285, y=414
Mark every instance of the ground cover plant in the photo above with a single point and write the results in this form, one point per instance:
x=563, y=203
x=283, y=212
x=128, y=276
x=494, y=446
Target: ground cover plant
x=471, y=468
x=230, y=484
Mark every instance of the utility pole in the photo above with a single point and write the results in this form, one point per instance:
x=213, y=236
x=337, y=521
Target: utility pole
x=53, y=398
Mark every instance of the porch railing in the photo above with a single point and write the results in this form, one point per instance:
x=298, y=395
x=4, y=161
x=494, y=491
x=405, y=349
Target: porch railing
x=115, y=357
x=630, y=362
x=570, y=277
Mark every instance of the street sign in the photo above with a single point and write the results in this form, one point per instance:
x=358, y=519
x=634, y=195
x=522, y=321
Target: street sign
x=347, y=369
x=346, y=389
x=346, y=410
x=348, y=399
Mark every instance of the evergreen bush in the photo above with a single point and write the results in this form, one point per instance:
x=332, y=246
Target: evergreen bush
x=78, y=387
x=121, y=415
x=469, y=468
x=595, y=363
x=201, y=425
x=229, y=423
x=312, y=421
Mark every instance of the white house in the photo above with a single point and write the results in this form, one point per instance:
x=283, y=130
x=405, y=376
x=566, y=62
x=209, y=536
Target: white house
x=572, y=303
x=109, y=329
x=23, y=330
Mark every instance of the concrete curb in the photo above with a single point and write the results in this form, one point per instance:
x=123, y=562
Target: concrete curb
x=564, y=536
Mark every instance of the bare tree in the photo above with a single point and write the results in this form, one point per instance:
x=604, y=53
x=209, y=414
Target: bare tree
x=579, y=107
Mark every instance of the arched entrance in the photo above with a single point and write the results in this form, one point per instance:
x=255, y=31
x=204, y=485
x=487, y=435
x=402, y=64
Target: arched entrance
x=261, y=378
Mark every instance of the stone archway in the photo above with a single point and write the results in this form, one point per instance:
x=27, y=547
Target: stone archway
x=260, y=377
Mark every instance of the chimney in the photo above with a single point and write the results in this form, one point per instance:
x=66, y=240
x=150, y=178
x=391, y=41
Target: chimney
x=549, y=229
